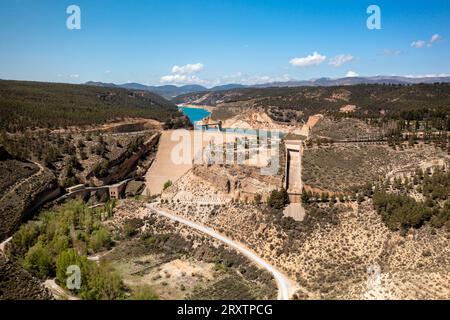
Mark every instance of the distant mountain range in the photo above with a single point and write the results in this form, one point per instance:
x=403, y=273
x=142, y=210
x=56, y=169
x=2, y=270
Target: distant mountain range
x=171, y=91
x=167, y=91
x=326, y=82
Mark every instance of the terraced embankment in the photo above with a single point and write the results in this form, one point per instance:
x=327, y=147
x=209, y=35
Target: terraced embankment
x=23, y=195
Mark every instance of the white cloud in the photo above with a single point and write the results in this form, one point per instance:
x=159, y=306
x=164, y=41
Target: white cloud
x=186, y=79
x=184, y=75
x=187, y=69
x=390, y=52
x=339, y=60
x=351, y=74
x=107, y=71
x=238, y=77
x=74, y=76
x=246, y=79
x=173, y=78
x=418, y=44
x=430, y=75
x=310, y=60
x=421, y=44
x=435, y=37
x=180, y=78
x=255, y=79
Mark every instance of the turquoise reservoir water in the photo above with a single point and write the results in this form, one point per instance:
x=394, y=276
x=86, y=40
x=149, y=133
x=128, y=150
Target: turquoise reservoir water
x=195, y=114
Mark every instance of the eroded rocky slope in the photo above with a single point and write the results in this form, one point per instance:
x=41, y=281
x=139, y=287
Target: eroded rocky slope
x=25, y=187
x=18, y=284
x=335, y=251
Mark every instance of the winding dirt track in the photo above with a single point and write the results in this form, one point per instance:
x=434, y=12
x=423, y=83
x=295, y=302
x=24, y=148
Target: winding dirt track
x=18, y=184
x=4, y=243
x=286, y=287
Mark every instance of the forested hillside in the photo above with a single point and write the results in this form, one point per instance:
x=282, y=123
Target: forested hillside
x=409, y=102
x=412, y=201
x=51, y=105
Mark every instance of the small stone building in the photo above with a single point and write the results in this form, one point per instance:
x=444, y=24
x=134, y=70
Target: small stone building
x=115, y=191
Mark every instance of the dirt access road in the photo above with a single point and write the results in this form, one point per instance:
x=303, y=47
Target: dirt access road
x=4, y=243
x=286, y=287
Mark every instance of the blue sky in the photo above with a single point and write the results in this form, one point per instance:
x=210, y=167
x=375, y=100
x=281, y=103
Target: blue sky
x=221, y=41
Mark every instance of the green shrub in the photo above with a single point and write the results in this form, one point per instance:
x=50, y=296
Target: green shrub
x=100, y=239
x=167, y=184
x=67, y=258
x=258, y=199
x=61, y=243
x=144, y=292
x=24, y=239
x=100, y=169
x=103, y=283
x=399, y=211
x=38, y=261
x=442, y=218
x=278, y=199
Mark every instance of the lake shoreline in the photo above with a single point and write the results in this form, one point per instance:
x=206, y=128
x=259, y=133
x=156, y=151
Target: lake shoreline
x=194, y=106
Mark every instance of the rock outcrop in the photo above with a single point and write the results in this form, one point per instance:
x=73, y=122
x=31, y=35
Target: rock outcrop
x=243, y=182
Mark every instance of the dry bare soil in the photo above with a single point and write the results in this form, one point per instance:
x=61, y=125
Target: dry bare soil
x=180, y=263
x=341, y=251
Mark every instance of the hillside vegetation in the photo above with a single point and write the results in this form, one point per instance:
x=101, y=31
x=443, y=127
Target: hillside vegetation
x=331, y=252
x=51, y=105
x=63, y=237
x=398, y=203
x=393, y=101
x=24, y=186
